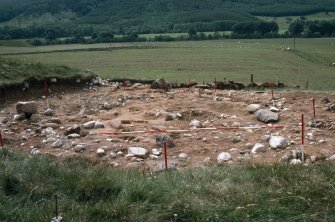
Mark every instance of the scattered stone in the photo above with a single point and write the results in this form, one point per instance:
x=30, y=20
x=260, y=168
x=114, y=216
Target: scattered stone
x=266, y=116
x=34, y=118
x=89, y=125
x=138, y=151
x=116, y=124
x=252, y=108
x=112, y=155
x=160, y=84
x=331, y=158
x=34, y=152
x=274, y=109
x=195, y=124
x=98, y=125
x=28, y=108
x=55, y=120
x=278, y=142
x=258, y=148
x=183, y=156
x=57, y=144
x=19, y=117
x=295, y=162
x=101, y=152
x=73, y=136
x=223, y=157
x=160, y=139
x=107, y=106
x=237, y=139
x=73, y=129
x=325, y=100
x=80, y=148
x=48, y=112
x=207, y=161
x=156, y=152
x=170, y=116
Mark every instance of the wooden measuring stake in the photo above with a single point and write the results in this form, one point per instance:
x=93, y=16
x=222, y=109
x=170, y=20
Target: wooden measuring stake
x=215, y=86
x=165, y=156
x=1, y=140
x=46, y=89
x=302, y=137
x=314, y=115
x=272, y=92
x=124, y=83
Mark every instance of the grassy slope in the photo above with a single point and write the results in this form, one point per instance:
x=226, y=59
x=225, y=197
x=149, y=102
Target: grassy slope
x=14, y=72
x=102, y=193
x=232, y=59
x=285, y=21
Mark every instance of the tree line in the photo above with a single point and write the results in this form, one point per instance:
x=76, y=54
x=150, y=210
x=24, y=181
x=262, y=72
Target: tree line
x=101, y=34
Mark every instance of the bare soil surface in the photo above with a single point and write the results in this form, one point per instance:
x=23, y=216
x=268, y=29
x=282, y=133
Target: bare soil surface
x=142, y=108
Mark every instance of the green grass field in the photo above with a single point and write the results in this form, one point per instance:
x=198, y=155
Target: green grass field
x=285, y=21
x=200, y=60
x=102, y=193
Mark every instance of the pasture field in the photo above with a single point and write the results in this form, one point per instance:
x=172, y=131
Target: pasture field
x=285, y=21
x=198, y=60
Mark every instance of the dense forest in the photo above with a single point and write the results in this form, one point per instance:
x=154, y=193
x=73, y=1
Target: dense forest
x=62, y=18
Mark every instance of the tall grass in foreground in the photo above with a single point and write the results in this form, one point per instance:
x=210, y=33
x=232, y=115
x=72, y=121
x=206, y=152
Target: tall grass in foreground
x=101, y=193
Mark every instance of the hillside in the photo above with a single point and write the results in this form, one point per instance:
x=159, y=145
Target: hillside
x=14, y=72
x=148, y=15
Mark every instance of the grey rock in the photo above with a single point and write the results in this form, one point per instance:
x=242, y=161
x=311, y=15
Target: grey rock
x=112, y=155
x=55, y=120
x=35, y=152
x=325, y=100
x=156, y=152
x=80, y=148
x=332, y=158
x=52, y=125
x=28, y=108
x=160, y=139
x=266, y=116
x=19, y=117
x=252, y=108
x=98, y=125
x=266, y=137
x=258, y=148
x=223, y=157
x=274, y=109
x=160, y=84
x=57, y=144
x=237, y=139
x=116, y=124
x=295, y=162
x=195, y=123
x=73, y=129
x=73, y=136
x=170, y=116
x=101, y=152
x=89, y=125
x=138, y=151
x=107, y=106
x=34, y=118
x=48, y=112
x=183, y=156
x=278, y=142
